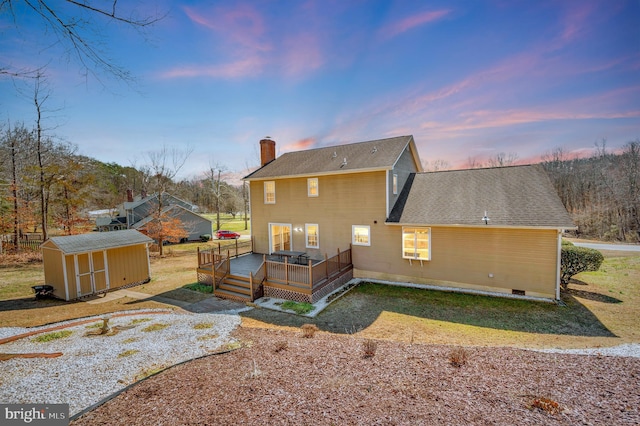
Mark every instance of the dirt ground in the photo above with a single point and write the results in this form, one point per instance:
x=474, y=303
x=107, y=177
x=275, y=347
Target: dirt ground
x=280, y=377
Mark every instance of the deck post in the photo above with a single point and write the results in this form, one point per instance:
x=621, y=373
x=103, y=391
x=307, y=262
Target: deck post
x=311, y=275
x=264, y=265
x=199, y=261
x=251, y=284
x=286, y=270
x=339, y=266
x=326, y=265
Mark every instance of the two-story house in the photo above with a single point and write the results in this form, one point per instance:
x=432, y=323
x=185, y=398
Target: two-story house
x=494, y=230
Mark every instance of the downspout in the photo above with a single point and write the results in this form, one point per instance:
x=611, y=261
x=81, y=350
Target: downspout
x=558, y=264
x=386, y=185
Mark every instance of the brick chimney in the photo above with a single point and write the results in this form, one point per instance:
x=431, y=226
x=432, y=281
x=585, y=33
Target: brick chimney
x=130, y=195
x=267, y=150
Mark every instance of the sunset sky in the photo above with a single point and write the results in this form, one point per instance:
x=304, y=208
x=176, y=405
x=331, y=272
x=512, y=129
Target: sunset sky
x=468, y=79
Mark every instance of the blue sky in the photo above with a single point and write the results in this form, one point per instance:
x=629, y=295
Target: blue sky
x=468, y=79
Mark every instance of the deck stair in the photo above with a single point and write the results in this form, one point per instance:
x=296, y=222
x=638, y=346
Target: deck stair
x=234, y=287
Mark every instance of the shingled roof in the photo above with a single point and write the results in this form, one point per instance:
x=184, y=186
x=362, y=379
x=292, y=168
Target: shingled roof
x=379, y=154
x=99, y=241
x=519, y=196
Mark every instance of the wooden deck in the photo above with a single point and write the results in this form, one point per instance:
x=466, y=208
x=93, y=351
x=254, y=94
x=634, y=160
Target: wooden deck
x=250, y=276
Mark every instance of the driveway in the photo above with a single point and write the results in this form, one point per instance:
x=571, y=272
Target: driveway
x=616, y=247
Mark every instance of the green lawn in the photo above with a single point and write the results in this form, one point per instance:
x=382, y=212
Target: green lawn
x=228, y=223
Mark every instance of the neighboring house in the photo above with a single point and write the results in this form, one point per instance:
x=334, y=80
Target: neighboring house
x=87, y=264
x=194, y=224
x=136, y=214
x=492, y=230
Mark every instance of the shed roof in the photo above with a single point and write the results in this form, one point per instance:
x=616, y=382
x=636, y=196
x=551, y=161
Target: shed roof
x=72, y=244
x=518, y=196
x=378, y=154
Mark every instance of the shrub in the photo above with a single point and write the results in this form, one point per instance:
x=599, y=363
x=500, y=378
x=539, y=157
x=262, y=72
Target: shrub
x=204, y=238
x=547, y=405
x=369, y=348
x=309, y=330
x=578, y=259
x=281, y=345
x=458, y=357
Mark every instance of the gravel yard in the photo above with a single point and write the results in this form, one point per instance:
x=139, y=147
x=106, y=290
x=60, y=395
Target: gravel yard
x=94, y=366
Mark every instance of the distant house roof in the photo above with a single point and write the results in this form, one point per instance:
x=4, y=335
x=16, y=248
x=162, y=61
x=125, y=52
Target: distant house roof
x=381, y=154
x=133, y=204
x=175, y=207
x=99, y=241
x=519, y=196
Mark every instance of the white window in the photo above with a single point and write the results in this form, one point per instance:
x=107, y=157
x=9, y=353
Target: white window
x=361, y=235
x=395, y=184
x=311, y=233
x=270, y=192
x=416, y=243
x=312, y=187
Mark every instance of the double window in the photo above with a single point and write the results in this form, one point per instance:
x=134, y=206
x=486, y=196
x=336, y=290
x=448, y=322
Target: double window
x=416, y=243
x=270, y=192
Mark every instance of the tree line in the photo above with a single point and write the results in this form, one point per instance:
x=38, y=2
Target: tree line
x=601, y=192
x=46, y=187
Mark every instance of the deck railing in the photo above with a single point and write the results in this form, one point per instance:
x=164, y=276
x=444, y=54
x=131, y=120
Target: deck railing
x=307, y=277
x=206, y=258
x=256, y=281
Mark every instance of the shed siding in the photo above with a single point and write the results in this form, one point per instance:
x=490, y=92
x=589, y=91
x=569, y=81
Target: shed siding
x=71, y=276
x=344, y=200
x=520, y=259
x=53, y=270
x=127, y=265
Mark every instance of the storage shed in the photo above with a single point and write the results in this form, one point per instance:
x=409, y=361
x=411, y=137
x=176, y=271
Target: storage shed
x=86, y=264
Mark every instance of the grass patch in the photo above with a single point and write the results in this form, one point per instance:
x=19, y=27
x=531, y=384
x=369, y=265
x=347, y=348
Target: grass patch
x=139, y=321
x=201, y=288
x=208, y=337
x=128, y=353
x=155, y=327
x=130, y=340
x=52, y=336
x=299, y=308
x=96, y=325
x=203, y=325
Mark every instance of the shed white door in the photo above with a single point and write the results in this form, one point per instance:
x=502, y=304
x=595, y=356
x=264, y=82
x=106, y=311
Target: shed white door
x=84, y=274
x=91, y=272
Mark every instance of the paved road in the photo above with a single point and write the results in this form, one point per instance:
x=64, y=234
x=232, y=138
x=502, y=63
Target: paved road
x=618, y=247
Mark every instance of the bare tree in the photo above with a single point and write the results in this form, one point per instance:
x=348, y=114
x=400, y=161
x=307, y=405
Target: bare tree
x=79, y=27
x=164, y=165
x=436, y=165
x=218, y=190
x=503, y=160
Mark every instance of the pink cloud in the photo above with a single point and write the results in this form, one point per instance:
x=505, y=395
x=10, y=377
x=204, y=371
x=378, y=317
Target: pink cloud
x=411, y=22
x=299, y=145
x=242, y=26
x=242, y=68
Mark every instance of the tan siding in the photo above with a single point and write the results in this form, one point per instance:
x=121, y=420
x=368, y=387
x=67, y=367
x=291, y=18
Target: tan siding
x=517, y=259
x=127, y=265
x=53, y=273
x=71, y=277
x=344, y=200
